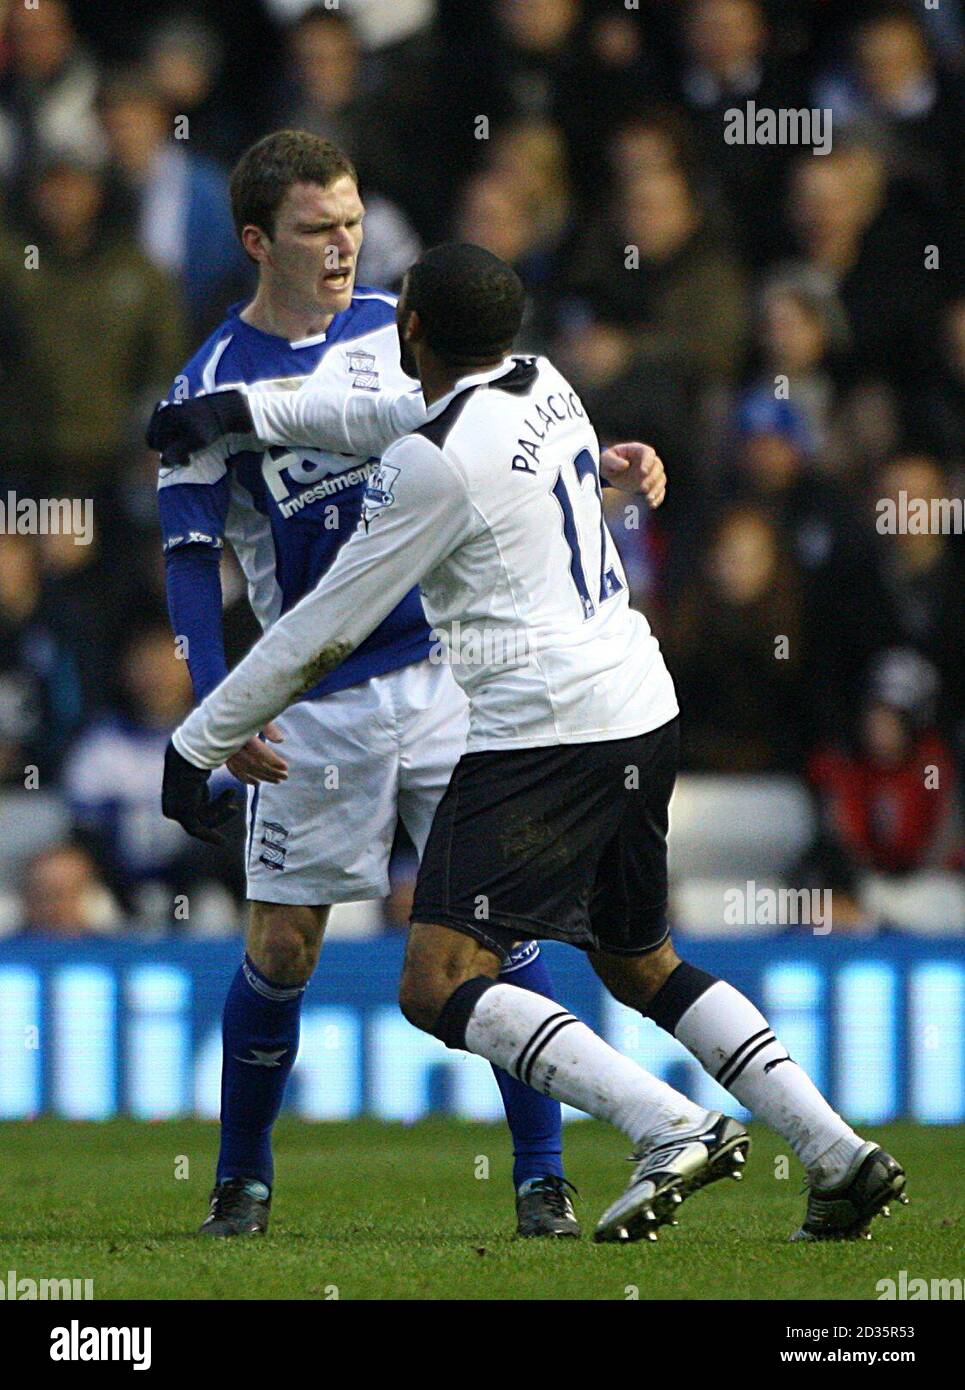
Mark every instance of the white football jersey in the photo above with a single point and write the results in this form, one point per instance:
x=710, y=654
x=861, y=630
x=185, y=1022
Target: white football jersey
x=494, y=507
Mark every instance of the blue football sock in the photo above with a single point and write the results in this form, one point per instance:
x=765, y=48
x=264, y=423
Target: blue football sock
x=260, y=1038
x=534, y=1120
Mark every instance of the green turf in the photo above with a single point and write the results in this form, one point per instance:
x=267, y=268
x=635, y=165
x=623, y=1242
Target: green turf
x=385, y=1211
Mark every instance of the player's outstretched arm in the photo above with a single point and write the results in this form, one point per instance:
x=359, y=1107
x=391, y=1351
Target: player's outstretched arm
x=356, y=424
x=416, y=511
x=348, y=422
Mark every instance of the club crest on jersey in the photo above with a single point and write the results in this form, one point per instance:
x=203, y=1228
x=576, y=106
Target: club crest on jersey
x=362, y=366
x=379, y=495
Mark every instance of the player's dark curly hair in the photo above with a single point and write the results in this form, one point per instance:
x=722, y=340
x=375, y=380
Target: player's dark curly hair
x=470, y=303
x=266, y=171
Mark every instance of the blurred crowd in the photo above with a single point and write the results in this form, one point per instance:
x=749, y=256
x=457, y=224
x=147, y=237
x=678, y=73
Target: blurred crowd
x=787, y=327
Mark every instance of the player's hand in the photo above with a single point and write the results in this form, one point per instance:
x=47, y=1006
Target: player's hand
x=635, y=468
x=256, y=762
x=183, y=428
x=185, y=798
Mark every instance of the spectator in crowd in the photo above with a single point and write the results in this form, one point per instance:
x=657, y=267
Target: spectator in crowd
x=735, y=648
x=727, y=63
x=402, y=72
x=888, y=801
x=538, y=59
x=381, y=24
x=724, y=50
x=893, y=88
x=532, y=154
x=873, y=250
x=618, y=44
x=660, y=265
x=105, y=326
x=178, y=199
x=922, y=574
x=325, y=95
x=184, y=62
x=657, y=141
x=518, y=206
x=88, y=593
x=623, y=67
x=64, y=896
x=630, y=393
x=114, y=771
x=821, y=532
x=868, y=428
x=41, y=702
x=803, y=345
x=527, y=66
x=581, y=66
x=48, y=92
x=494, y=212
x=802, y=332
x=626, y=390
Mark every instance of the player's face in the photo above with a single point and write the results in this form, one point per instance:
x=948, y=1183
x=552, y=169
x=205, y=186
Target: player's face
x=313, y=254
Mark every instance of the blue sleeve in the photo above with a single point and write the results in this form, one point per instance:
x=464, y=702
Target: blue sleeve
x=194, y=605
x=193, y=515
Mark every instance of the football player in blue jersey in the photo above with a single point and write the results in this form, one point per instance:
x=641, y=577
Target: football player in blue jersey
x=376, y=740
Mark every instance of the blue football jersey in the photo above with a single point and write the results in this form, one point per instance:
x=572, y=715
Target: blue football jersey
x=287, y=513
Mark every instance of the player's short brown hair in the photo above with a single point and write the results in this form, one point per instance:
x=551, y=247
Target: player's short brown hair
x=266, y=171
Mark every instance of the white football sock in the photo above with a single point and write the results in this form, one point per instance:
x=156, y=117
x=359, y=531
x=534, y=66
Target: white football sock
x=542, y=1044
x=733, y=1041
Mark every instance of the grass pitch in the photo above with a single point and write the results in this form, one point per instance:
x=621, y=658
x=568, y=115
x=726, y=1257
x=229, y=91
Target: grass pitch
x=373, y=1211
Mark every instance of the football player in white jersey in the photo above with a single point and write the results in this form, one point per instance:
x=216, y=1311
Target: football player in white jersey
x=554, y=822
x=371, y=743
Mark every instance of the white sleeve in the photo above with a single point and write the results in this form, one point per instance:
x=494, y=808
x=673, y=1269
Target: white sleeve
x=416, y=511
x=342, y=421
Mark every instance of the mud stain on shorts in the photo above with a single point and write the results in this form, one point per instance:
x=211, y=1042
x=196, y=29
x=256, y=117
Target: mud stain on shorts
x=529, y=836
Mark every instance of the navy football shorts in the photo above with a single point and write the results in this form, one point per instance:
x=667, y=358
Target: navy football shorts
x=566, y=843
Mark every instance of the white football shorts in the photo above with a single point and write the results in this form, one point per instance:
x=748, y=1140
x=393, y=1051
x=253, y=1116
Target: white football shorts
x=358, y=760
